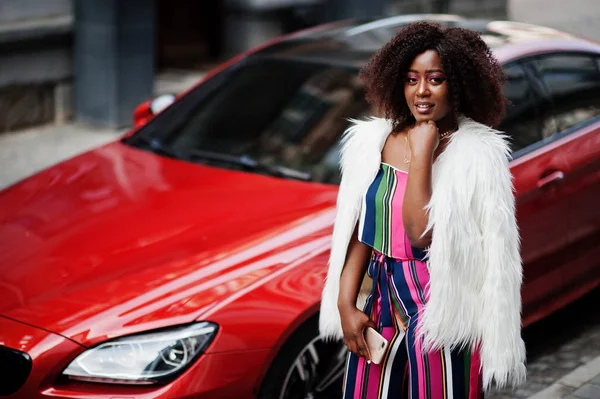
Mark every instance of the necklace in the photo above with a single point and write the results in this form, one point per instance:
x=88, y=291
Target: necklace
x=445, y=134
x=442, y=137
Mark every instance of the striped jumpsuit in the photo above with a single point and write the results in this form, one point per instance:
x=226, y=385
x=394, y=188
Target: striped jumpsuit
x=399, y=294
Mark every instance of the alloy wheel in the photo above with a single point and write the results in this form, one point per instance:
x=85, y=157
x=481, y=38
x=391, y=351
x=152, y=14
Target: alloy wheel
x=317, y=371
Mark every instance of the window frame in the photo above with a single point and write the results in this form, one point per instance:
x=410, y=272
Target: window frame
x=538, y=92
x=161, y=139
x=529, y=64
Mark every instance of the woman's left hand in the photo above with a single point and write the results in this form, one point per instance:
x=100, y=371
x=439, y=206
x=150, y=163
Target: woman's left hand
x=423, y=139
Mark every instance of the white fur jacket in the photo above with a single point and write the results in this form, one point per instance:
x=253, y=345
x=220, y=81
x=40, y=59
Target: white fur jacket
x=474, y=260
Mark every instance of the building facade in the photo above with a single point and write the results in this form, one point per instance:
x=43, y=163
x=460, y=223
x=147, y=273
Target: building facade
x=94, y=61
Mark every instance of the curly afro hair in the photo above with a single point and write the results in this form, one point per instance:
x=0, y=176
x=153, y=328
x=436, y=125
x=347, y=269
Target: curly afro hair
x=473, y=74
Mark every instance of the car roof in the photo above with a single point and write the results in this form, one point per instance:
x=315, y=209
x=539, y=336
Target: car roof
x=353, y=42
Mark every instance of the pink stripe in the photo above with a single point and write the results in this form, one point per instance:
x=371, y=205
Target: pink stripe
x=377, y=316
x=422, y=276
x=398, y=248
x=388, y=333
x=423, y=279
x=374, y=370
x=436, y=378
x=360, y=373
x=475, y=383
x=393, y=291
x=421, y=377
x=374, y=373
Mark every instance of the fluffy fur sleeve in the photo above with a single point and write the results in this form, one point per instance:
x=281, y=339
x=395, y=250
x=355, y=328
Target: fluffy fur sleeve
x=475, y=265
x=360, y=155
x=502, y=349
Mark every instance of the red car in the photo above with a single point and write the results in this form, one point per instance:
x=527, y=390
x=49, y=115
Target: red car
x=187, y=259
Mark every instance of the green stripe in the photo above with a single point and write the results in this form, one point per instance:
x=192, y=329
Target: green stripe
x=386, y=213
x=467, y=363
x=392, y=190
x=365, y=381
x=379, y=214
x=413, y=269
x=396, y=302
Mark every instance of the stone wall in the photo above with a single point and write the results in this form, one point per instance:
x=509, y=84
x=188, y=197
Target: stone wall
x=493, y=9
x=35, y=61
x=580, y=17
x=15, y=10
x=36, y=49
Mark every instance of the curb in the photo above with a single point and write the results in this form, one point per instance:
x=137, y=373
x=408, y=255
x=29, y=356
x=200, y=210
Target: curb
x=569, y=383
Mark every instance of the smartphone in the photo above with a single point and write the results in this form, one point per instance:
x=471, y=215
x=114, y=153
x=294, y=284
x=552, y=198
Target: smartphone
x=377, y=345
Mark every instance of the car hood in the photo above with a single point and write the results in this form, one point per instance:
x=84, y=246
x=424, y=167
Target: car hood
x=120, y=240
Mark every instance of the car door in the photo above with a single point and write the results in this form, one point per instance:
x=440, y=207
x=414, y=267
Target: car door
x=572, y=81
x=541, y=210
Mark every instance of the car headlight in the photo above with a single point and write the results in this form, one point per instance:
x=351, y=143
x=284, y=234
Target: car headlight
x=143, y=358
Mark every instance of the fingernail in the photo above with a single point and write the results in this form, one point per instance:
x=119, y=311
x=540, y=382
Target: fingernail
x=368, y=362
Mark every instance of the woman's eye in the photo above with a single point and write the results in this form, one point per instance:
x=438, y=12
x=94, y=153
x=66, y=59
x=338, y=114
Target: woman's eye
x=437, y=79
x=411, y=80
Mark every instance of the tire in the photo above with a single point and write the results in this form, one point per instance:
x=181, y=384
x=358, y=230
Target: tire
x=306, y=367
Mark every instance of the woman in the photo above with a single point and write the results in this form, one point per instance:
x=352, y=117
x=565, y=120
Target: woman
x=426, y=209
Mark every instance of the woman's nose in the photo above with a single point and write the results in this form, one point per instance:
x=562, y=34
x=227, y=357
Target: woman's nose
x=422, y=88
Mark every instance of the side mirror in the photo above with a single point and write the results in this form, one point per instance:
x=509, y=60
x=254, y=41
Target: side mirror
x=149, y=109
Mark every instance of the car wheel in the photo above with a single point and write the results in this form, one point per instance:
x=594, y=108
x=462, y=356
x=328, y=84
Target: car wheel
x=306, y=367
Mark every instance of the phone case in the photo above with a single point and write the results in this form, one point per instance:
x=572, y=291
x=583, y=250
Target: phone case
x=377, y=345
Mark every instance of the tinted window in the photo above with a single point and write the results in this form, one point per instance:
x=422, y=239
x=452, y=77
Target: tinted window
x=523, y=122
x=276, y=111
x=573, y=82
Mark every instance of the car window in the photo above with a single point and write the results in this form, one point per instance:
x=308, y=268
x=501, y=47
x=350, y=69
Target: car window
x=277, y=111
x=523, y=121
x=573, y=84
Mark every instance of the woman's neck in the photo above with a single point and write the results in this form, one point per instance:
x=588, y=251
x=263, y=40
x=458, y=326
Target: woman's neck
x=447, y=123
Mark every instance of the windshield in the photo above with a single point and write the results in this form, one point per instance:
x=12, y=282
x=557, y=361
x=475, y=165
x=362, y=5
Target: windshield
x=281, y=113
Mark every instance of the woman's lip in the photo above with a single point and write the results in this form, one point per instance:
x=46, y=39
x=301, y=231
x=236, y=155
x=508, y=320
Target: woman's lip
x=424, y=110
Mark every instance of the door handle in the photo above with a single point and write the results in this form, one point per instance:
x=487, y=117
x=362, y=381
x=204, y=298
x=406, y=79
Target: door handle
x=553, y=177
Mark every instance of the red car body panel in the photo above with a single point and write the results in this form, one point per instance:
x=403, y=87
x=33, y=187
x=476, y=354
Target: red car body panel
x=580, y=189
x=214, y=376
x=510, y=52
x=119, y=240
x=559, y=264
x=91, y=284
x=103, y=226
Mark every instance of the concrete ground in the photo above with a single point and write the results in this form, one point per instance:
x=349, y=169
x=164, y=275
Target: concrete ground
x=563, y=354
x=28, y=151
x=25, y=152
x=582, y=383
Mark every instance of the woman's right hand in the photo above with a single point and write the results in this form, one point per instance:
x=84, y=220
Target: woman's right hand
x=423, y=138
x=354, y=323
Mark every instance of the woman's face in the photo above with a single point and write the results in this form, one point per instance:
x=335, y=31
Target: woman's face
x=426, y=88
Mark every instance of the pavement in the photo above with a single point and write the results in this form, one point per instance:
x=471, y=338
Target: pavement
x=563, y=352
x=25, y=152
x=582, y=383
